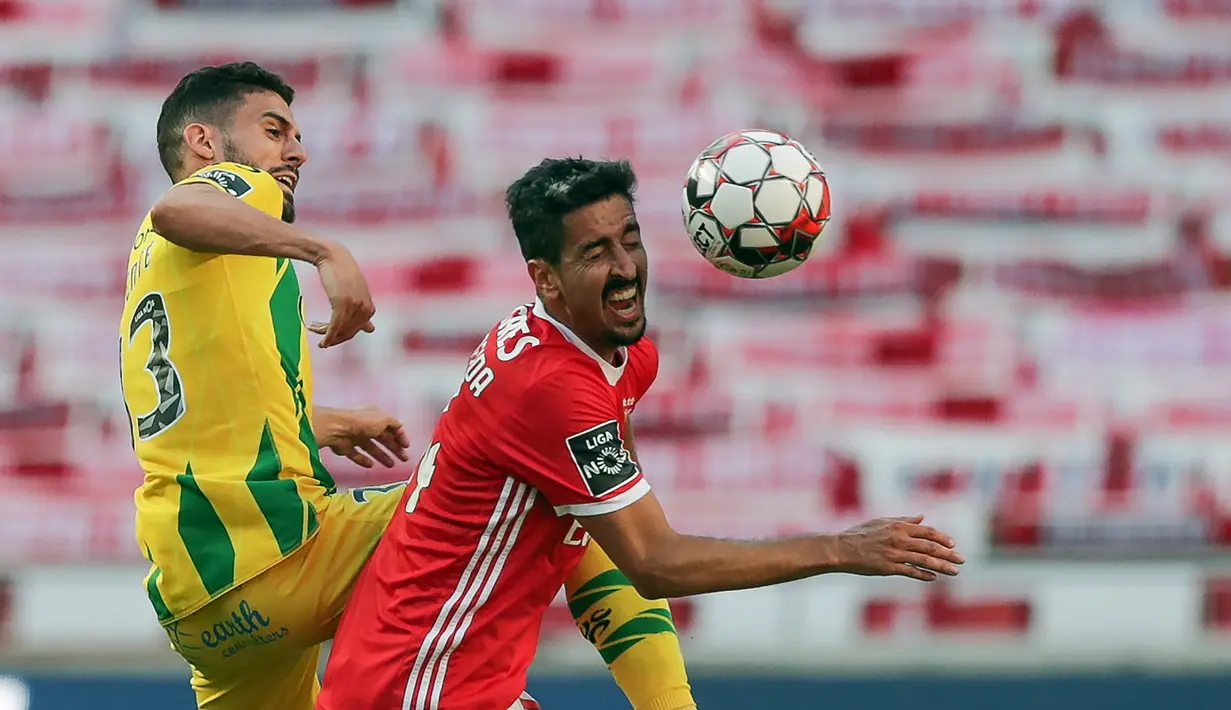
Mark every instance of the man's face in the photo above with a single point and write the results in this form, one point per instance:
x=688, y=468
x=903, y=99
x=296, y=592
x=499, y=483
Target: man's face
x=263, y=134
x=602, y=275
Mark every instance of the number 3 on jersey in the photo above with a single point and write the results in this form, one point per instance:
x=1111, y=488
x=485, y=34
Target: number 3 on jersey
x=153, y=310
x=423, y=476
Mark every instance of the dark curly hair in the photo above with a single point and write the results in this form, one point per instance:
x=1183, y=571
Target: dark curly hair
x=210, y=95
x=538, y=201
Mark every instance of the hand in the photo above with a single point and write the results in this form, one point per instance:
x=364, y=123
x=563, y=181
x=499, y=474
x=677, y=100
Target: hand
x=898, y=547
x=349, y=298
x=356, y=433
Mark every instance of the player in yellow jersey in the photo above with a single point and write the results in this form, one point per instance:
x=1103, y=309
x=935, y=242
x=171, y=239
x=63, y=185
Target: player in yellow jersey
x=253, y=551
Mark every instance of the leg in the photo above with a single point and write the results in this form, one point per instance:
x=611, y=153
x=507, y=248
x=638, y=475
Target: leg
x=350, y=528
x=635, y=637
x=254, y=646
x=257, y=646
x=287, y=683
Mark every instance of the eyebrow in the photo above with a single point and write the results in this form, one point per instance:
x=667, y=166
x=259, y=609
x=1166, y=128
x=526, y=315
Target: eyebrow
x=282, y=120
x=587, y=246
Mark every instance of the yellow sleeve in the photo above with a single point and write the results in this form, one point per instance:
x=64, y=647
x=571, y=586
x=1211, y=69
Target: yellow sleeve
x=247, y=184
x=635, y=637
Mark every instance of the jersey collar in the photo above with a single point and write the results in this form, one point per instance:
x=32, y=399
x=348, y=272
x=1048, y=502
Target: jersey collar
x=612, y=372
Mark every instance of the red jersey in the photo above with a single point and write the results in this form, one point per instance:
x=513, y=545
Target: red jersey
x=446, y=615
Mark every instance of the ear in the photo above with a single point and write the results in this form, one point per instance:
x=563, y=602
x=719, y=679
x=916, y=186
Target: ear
x=203, y=142
x=546, y=280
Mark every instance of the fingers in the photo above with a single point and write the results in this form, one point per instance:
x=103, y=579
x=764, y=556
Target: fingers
x=934, y=549
x=344, y=327
x=402, y=439
x=926, y=550
x=923, y=561
x=368, y=453
x=338, y=330
x=905, y=570
x=909, y=519
x=384, y=458
x=354, y=454
x=346, y=321
x=319, y=328
x=395, y=440
x=925, y=532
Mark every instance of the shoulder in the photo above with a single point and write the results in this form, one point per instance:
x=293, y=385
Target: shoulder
x=238, y=180
x=537, y=361
x=245, y=183
x=642, y=366
x=513, y=361
x=547, y=360
x=643, y=355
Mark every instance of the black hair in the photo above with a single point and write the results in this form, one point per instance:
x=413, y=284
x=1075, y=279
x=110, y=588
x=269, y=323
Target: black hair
x=538, y=201
x=210, y=95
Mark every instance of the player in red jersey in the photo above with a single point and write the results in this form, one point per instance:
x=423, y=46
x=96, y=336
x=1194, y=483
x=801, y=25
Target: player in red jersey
x=535, y=445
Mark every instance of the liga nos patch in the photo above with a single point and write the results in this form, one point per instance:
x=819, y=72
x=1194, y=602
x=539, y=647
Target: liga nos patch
x=601, y=458
x=229, y=181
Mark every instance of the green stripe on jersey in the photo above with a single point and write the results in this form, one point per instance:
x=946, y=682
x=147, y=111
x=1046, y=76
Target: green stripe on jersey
x=308, y=437
x=284, y=310
x=205, y=536
x=278, y=500
x=151, y=588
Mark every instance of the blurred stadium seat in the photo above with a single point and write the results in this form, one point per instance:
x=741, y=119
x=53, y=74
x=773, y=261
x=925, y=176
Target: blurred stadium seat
x=1020, y=322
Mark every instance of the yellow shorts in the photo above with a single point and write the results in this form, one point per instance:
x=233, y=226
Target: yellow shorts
x=257, y=647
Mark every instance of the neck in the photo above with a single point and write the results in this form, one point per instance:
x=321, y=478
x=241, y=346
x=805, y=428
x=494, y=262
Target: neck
x=606, y=351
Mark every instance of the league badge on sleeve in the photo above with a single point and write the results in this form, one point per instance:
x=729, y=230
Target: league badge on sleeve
x=601, y=458
x=227, y=180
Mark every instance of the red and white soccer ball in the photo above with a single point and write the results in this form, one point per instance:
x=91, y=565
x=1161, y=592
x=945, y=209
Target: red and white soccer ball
x=755, y=203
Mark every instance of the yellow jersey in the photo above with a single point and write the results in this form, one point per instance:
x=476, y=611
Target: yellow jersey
x=216, y=378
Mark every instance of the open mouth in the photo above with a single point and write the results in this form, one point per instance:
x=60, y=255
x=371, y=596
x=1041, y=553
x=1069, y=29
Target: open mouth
x=624, y=303
x=287, y=180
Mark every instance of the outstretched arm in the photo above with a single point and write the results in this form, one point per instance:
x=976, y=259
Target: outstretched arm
x=664, y=563
x=636, y=637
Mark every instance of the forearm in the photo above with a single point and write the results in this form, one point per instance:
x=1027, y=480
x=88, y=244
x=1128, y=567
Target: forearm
x=636, y=637
x=690, y=564
x=204, y=219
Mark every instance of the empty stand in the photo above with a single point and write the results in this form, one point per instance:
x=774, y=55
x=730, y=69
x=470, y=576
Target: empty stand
x=1021, y=304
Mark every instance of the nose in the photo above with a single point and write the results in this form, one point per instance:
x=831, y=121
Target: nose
x=294, y=153
x=623, y=265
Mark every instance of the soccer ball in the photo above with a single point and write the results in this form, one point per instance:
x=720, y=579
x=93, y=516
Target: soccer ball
x=755, y=203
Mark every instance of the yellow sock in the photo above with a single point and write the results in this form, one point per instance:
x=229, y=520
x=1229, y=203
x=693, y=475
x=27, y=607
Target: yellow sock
x=636, y=637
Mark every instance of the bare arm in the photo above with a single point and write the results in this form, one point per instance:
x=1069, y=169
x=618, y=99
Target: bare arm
x=663, y=563
x=205, y=219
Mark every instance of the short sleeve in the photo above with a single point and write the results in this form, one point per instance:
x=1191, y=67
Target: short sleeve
x=249, y=185
x=571, y=444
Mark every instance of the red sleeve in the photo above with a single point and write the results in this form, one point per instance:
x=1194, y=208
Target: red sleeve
x=571, y=444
